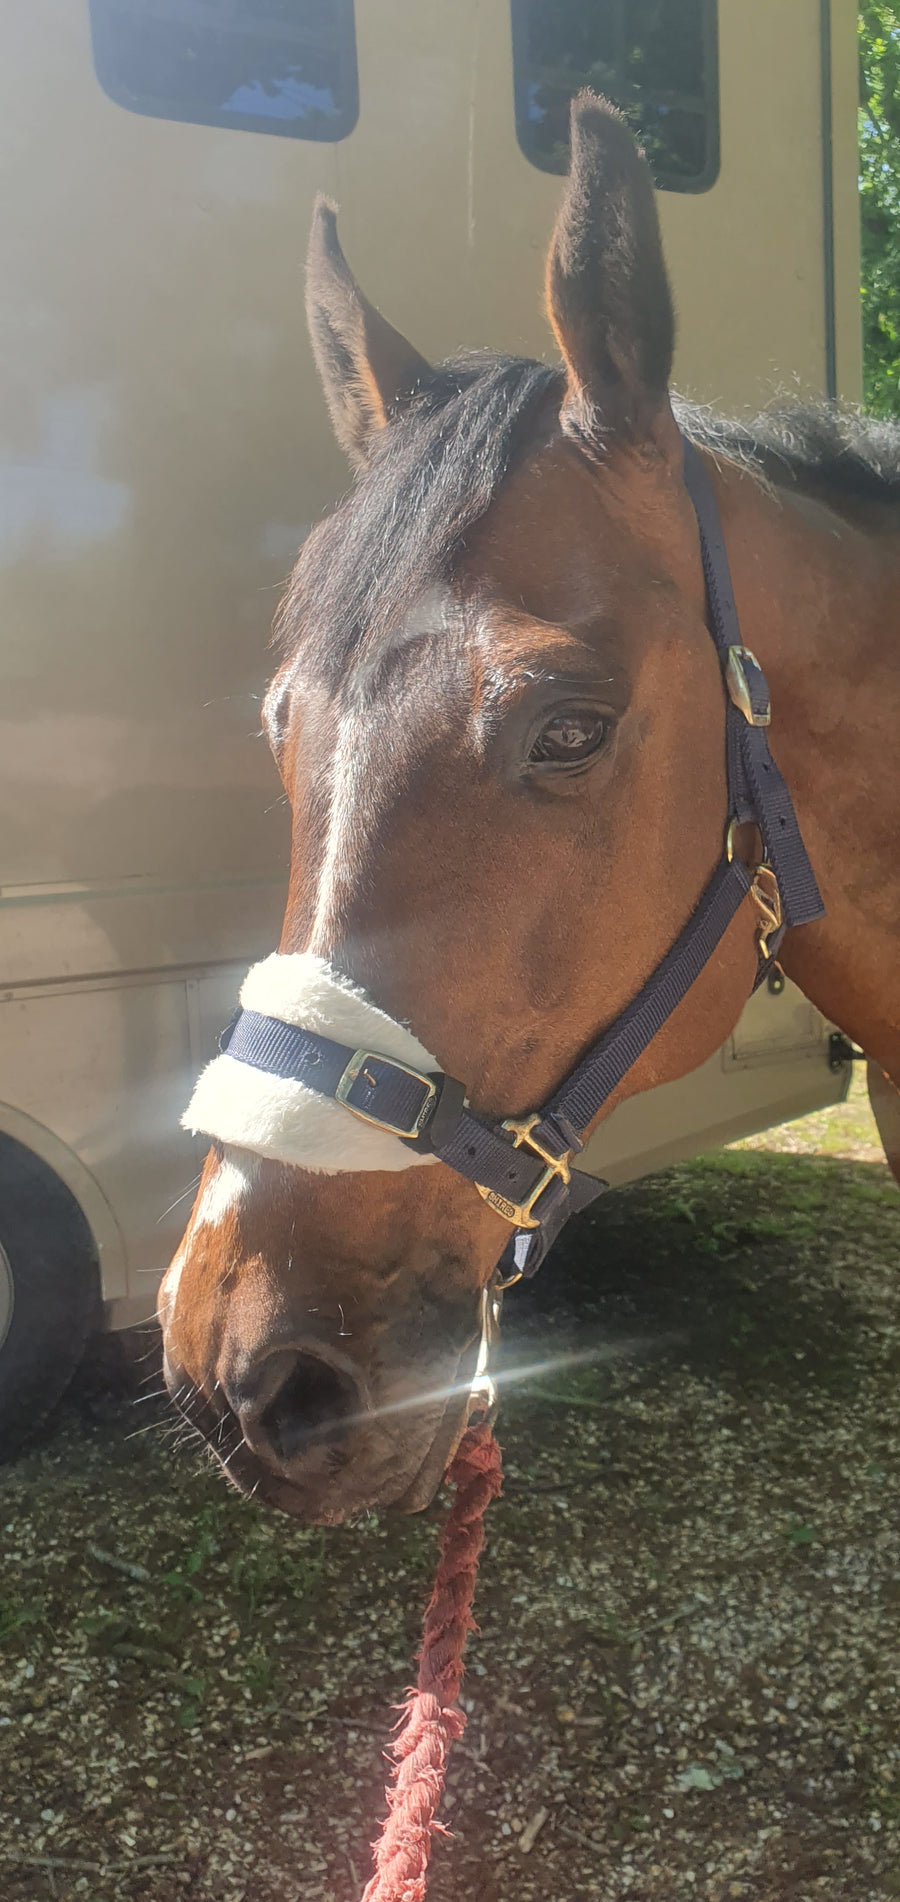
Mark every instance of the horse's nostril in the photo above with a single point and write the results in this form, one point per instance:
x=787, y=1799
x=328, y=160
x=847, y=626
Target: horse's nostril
x=312, y=1405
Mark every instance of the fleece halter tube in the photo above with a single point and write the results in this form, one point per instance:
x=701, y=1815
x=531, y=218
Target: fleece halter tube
x=522, y=1168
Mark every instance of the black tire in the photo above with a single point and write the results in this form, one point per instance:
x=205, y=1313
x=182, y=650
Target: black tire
x=49, y=1291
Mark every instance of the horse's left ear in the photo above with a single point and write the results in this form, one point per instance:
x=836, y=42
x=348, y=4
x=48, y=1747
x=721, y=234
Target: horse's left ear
x=607, y=290
x=367, y=368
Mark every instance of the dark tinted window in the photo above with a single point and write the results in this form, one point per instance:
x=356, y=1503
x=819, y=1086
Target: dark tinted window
x=655, y=58
x=285, y=66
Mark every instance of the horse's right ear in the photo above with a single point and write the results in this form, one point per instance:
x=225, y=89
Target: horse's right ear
x=607, y=290
x=367, y=368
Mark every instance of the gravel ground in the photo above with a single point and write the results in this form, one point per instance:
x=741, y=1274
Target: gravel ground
x=687, y=1675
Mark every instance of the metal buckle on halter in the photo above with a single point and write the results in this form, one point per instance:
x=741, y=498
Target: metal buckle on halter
x=356, y=1067
x=520, y=1213
x=767, y=899
x=483, y=1398
x=738, y=686
x=765, y=893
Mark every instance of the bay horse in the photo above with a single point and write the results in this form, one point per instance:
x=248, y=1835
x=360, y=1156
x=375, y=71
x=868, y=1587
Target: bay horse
x=500, y=721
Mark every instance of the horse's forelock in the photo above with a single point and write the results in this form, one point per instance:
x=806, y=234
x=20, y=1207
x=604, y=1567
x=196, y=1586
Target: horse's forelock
x=396, y=534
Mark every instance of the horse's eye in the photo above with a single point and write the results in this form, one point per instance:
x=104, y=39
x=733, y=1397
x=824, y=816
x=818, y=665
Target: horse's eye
x=573, y=735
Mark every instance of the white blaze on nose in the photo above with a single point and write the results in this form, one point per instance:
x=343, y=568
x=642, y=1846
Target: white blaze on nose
x=347, y=780
x=351, y=798
x=226, y=1188
x=168, y=1287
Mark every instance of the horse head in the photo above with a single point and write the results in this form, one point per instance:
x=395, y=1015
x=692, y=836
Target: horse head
x=498, y=718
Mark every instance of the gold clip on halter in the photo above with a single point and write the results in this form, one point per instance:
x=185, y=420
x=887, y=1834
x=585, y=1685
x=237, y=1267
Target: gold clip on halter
x=767, y=899
x=738, y=687
x=483, y=1393
x=519, y=1213
x=764, y=893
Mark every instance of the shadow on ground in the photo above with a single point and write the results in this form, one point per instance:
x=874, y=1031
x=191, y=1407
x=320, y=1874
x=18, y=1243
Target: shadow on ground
x=745, y=1267
x=687, y=1676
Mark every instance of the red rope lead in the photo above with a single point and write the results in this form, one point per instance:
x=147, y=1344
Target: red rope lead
x=432, y=1718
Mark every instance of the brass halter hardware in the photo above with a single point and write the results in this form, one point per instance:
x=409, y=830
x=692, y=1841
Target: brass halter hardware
x=519, y=1213
x=483, y=1399
x=356, y=1066
x=738, y=689
x=764, y=893
x=767, y=899
x=500, y=1287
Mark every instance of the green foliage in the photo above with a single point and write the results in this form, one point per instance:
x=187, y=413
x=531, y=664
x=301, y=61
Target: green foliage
x=205, y=1544
x=188, y=1714
x=16, y=1612
x=269, y=1568
x=797, y=1533
x=879, y=156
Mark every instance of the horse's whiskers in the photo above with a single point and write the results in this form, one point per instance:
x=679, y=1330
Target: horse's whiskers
x=175, y=1205
x=156, y=1426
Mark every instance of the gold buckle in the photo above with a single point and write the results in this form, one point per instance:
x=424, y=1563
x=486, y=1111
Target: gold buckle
x=500, y=1287
x=519, y=1213
x=738, y=689
x=763, y=891
x=767, y=899
x=356, y=1065
x=483, y=1393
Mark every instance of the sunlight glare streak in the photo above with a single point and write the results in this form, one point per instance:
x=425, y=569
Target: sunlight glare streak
x=514, y=1376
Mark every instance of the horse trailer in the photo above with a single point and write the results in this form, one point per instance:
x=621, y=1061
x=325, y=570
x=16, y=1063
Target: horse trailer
x=165, y=446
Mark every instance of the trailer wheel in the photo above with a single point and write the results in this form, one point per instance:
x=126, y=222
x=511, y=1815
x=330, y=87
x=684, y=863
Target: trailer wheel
x=49, y=1291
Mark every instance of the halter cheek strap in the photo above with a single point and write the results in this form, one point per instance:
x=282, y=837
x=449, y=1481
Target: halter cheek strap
x=756, y=791
x=523, y=1168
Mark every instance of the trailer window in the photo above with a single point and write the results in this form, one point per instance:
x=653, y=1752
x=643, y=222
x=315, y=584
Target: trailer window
x=282, y=66
x=657, y=59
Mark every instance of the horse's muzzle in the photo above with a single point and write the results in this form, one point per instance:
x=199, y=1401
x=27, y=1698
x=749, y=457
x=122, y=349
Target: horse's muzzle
x=292, y=1400
x=296, y=1432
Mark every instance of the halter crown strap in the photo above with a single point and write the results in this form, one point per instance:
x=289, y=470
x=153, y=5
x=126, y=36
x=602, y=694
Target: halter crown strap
x=523, y=1168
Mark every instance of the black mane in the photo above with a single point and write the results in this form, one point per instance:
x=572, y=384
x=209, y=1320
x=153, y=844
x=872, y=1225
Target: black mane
x=820, y=448
x=437, y=468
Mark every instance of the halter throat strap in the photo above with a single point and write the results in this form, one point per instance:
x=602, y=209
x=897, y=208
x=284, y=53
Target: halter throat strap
x=523, y=1168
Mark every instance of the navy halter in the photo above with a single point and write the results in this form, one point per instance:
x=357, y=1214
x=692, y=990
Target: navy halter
x=523, y=1168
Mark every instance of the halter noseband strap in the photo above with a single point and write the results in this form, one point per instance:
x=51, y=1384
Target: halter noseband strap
x=522, y=1168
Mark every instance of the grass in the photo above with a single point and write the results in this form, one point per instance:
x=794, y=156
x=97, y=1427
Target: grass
x=845, y=1130
x=15, y=1613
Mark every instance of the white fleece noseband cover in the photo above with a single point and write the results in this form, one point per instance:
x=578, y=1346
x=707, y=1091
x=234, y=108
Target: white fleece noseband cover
x=281, y=1119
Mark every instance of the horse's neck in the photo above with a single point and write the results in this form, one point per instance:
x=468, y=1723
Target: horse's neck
x=819, y=601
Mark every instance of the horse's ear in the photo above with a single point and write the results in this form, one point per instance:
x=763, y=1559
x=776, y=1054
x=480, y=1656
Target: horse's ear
x=607, y=291
x=367, y=368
